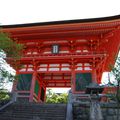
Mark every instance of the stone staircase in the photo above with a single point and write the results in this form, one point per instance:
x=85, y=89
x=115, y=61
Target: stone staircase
x=34, y=111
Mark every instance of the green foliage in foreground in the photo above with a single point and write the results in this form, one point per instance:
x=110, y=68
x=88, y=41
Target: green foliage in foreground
x=8, y=49
x=52, y=97
x=4, y=95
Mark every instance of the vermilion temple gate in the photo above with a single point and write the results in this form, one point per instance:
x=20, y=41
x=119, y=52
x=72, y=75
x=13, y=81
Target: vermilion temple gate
x=64, y=54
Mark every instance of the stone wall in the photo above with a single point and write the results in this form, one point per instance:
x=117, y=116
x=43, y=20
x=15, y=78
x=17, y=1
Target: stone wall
x=81, y=111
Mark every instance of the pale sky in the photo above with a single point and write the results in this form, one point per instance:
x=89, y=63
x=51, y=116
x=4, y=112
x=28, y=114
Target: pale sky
x=29, y=11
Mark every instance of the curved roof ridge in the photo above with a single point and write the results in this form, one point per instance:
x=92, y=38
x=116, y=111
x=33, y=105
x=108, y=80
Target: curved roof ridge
x=109, y=18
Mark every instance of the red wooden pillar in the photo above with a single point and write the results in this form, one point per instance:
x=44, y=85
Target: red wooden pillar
x=15, y=82
x=73, y=79
x=39, y=93
x=34, y=76
x=40, y=88
x=45, y=94
x=14, y=85
x=94, y=76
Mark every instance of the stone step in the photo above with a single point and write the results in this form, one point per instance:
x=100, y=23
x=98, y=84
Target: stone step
x=34, y=118
x=34, y=114
x=33, y=111
x=31, y=117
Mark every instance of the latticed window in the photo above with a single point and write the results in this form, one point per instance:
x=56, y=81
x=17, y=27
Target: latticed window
x=55, y=49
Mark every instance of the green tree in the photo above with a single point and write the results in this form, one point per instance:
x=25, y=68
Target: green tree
x=9, y=46
x=10, y=51
x=116, y=73
x=62, y=98
x=52, y=97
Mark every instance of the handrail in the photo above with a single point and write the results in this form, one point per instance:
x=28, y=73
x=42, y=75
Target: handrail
x=78, y=97
x=69, y=114
x=13, y=99
x=25, y=94
x=67, y=55
x=4, y=106
x=60, y=54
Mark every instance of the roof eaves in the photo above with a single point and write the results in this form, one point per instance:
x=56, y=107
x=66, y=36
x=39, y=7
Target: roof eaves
x=63, y=22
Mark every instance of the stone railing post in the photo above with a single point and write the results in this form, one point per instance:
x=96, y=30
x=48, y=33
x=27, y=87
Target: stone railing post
x=69, y=115
x=14, y=96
